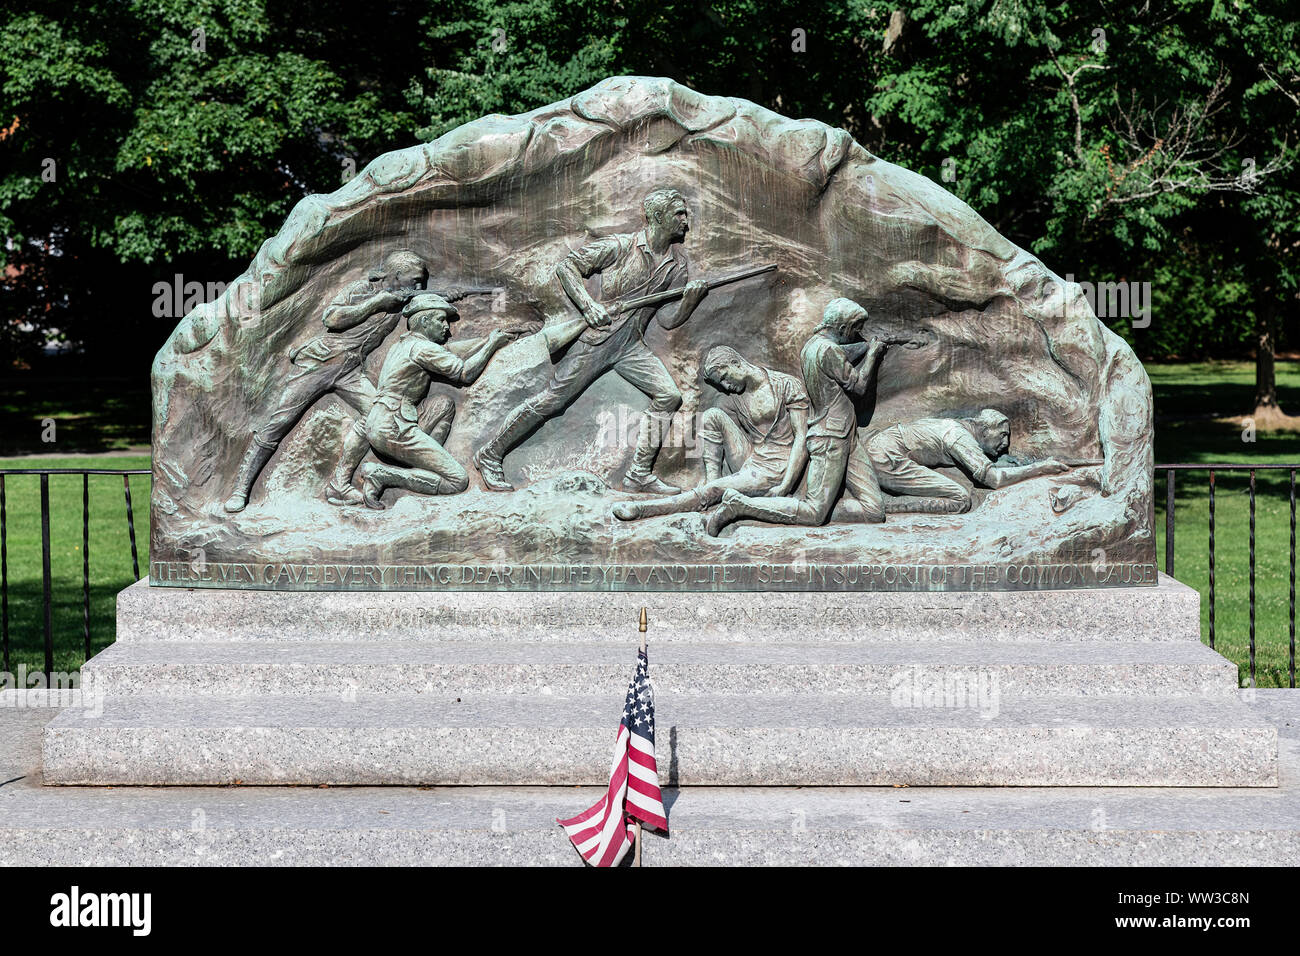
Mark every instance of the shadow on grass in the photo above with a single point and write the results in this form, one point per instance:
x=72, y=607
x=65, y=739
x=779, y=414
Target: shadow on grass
x=89, y=415
x=1216, y=389
x=67, y=619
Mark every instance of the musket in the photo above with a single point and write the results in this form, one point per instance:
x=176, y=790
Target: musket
x=455, y=295
x=559, y=335
x=669, y=295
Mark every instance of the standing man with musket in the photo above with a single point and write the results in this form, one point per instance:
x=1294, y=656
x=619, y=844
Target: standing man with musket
x=630, y=265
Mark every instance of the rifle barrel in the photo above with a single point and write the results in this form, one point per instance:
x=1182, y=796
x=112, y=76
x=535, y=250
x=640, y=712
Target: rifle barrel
x=658, y=298
x=455, y=295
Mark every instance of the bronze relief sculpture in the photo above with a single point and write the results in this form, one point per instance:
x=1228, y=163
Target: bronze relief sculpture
x=853, y=383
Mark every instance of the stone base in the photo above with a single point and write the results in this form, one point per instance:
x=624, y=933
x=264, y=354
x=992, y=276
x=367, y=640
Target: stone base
x=1073, y=688
x=811, y=740
x=739, y=826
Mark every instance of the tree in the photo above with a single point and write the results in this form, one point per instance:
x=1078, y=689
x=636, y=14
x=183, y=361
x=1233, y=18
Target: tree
x=150, y=137
x=1154, y=145
x=1155, y=142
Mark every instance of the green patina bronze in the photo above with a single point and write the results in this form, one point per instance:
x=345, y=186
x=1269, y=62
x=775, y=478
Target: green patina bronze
x=697, y=345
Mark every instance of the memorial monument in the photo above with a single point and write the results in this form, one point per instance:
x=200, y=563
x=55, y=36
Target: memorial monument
x=954, y=388
x=650, y=347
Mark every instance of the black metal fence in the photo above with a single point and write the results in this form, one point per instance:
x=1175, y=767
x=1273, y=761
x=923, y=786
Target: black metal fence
x=46, y=576
x=1170, y=472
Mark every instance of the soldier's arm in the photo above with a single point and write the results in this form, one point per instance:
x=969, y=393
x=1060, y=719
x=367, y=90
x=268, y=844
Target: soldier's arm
x=473, y=366
x=693, y=293
x=798, y=453
x=967, y=453
x=344, y=315
x=855, y=350
x=576, y=266
x=855, y=381
x=576, y=290
x=999, y=477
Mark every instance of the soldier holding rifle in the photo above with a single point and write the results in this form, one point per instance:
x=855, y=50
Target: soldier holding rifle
x=612, y=337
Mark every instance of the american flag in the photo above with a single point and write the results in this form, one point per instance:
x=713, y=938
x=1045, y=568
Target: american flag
x=604, y=833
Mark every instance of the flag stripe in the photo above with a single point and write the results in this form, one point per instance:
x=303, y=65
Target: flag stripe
x=602, y=833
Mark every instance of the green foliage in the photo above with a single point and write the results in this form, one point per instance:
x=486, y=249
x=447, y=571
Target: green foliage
x=510, y=57
x=1118, y=143
x=1111, y=141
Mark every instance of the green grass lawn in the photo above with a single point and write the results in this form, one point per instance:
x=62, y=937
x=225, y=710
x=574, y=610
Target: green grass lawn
x=1187, y=397
x=1194, y=393
x=110, y=555
x=1189, y=389
x=89, y=415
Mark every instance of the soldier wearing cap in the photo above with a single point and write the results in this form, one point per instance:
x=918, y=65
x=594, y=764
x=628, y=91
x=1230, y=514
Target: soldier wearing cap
x=356, y=322
x=410, y=450
x=834, y=377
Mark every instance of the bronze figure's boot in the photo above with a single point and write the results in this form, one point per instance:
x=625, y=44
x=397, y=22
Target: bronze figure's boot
x=490, y=459
x=418, y=480
x=375, y=477
x=372, y=477
x=640, y=478
x=340, y=490
x=735, y=506
x=258, y=454
x=676, y=504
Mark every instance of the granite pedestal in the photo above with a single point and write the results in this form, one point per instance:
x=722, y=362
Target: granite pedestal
x=1050, y=688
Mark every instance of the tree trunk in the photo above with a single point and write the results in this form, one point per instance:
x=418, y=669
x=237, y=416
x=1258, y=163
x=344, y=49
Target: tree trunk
x=1265, y=368
x=1268, y=414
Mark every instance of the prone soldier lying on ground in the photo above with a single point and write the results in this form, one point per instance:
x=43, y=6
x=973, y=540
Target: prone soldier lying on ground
x=905, y=456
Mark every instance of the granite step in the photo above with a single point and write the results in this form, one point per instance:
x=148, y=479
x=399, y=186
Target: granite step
x=722, y=826
x=1169, y=612
x=745, y=826
x=331, y=668
x=703, y=740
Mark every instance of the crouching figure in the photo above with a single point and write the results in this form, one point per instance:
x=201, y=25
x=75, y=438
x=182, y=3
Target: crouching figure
x=760, y=430
x=410, y=449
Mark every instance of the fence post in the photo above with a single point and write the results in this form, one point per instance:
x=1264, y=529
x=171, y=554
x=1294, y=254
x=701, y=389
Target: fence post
x=4, y=576
x=1169, y=522
x=1252, y=577
x=130, y=526
x=1291, y=605
x=85, y=562
x=1211, y=559
x=45, y=576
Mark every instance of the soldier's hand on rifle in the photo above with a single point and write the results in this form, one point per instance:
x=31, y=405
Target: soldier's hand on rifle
x=597, y=316
x=694, y=291
x=390, y=299
x=1051, y=466
x=904, y=341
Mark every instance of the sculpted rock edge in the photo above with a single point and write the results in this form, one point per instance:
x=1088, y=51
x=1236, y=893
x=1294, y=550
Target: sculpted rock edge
x=289, y=453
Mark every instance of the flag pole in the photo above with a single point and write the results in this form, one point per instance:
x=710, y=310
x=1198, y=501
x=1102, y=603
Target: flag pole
x=636, y=859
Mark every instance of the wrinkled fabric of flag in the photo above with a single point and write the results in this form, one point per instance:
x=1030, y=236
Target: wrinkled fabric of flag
x=605, y=832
